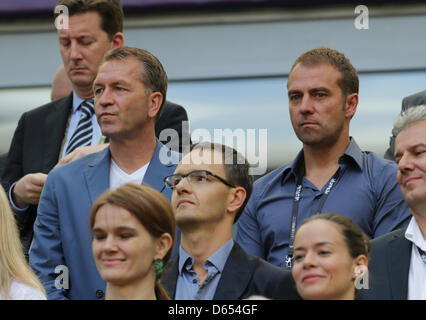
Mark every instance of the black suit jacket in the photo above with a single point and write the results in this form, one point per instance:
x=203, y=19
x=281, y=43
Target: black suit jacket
x=244, y=275
x=388, y=267
x=408, y=102
x=37, y=142
x=2, y=163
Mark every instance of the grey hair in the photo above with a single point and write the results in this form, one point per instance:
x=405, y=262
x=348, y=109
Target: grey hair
x=408, y=117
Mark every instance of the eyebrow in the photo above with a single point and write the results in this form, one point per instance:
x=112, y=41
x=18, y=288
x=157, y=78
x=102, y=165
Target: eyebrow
x=319, y=244
x=313, y=90
x=118, y=229
x=399, y=153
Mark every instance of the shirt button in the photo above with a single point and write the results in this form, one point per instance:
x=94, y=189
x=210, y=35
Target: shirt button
x=99, y=294
x=194, y=280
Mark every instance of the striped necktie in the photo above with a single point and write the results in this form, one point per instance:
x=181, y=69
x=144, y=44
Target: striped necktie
x=83, y=133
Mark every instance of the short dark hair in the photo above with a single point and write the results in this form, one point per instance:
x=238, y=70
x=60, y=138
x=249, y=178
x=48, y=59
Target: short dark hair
x=236, y=168
x=349, y=81
x=153, y=75
x=150, y=208
x=110, y=12
x=356, y=241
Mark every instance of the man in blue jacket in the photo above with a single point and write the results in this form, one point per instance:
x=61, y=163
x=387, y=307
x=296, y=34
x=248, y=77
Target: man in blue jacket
x=130, y=90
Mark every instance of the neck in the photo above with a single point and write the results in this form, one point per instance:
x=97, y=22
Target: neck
x=322, y=162
x=420, y=215
x=139, y=290
x=349, y=295
x=85, y=93
x=202, y=243
x=131, y=154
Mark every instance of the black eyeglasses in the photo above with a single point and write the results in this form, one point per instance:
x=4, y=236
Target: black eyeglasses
x=194, y=177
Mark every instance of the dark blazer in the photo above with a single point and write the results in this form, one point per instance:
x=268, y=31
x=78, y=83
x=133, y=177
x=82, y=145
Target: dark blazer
x=388, y=267
x=2, y=162
x=409, y=101
x=244, y=275
x=37, y=142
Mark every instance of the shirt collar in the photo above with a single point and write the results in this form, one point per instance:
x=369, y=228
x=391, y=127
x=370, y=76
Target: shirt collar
x=352, y=152
x=414, y=234
x=76, y=101
x=218, y=259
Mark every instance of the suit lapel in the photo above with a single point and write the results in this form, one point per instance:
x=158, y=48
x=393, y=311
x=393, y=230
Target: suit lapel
x=97, y=174
x=399, y=255
x=236, y=275
x=54, y=131
x=170, y=277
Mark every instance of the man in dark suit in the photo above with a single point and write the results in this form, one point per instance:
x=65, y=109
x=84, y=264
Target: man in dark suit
x=43, y=134
x=416, y=99
x=398, y=260
x=211, y=186
x=61, y=231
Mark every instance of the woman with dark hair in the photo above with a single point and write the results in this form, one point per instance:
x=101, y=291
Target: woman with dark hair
x=330, y=255
x=133, y=229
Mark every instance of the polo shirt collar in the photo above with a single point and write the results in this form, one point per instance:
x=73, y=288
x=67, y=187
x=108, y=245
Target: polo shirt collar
x=352, y=152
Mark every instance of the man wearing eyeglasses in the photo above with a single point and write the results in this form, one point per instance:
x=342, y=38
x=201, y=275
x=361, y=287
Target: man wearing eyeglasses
x=211, y=186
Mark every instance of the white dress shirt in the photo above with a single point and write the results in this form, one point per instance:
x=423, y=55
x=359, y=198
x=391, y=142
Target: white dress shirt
x=417, y=273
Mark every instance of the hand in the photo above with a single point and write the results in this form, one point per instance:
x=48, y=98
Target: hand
x=28, y=189
x=80, y=152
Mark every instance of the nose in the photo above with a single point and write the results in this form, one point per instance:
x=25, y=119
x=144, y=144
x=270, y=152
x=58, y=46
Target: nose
x=405, y=163
x=104, y=98
x=306, y=105
x=309, y=260
x=75, y=52
x=183, y=186
x=110, y=245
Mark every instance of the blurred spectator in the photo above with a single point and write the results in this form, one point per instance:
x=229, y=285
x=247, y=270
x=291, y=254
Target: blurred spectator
x=133, y=229
x=61, y=85
x=398, y=259
x=17, y=280
x=330, y=254
x=329, y=174
x=211, y=186
x=61, y=230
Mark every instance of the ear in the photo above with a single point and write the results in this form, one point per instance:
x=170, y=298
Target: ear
x=163, y=245
x=361, y=266
x=117, y=40
x=155, y=101
x=351, y=105
x=236, y=199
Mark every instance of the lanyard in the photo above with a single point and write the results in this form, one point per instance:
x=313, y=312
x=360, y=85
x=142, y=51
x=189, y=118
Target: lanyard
x=289, y=259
